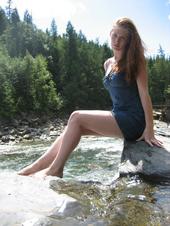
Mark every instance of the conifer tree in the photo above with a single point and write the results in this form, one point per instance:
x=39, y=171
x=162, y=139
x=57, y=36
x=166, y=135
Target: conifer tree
x=53, y=30
x=9, y=9
x=27, y=17
x=3, y=21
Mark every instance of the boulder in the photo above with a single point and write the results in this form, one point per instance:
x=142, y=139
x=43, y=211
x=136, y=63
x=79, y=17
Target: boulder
x=26, y=199
x=152, y=163
x=30, y=201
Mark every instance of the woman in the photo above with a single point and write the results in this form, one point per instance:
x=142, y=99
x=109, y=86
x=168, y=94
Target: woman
x=131, y=117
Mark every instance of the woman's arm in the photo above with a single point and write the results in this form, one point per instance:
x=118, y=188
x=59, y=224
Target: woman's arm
x=142, y=83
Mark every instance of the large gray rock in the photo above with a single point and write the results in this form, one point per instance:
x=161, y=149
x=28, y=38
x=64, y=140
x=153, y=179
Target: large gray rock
x=27, y=200
x=153, y=163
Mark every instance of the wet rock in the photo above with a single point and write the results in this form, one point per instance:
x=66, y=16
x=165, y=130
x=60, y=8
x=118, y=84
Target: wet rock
x=6, y=128
x=44, y=137
x=27, y=137
x=37, y=128
x=12, y=138
x=128, y=203
x=12, y=131
x=54, y=133
x=51, y=128
x=34, y=122
x=153, y=163
x=24, y=123
x=69, y=208
x=5, y=138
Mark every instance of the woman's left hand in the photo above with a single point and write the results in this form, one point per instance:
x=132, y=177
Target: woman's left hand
x=149, y=138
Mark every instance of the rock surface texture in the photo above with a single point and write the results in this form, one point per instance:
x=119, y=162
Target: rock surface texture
x=153, y=163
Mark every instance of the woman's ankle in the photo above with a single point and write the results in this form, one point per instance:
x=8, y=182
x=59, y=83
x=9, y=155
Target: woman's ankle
x=55, y=172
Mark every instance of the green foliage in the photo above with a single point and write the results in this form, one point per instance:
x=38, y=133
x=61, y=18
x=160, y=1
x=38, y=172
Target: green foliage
x=43, y=88
x=15, y=16
x=7, y=104
x=22, y=37
x=3, y=21
x=34, y=89
x=83, y=72
x=159, y=78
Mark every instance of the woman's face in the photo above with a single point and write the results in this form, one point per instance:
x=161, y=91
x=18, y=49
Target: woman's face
x=119, y=38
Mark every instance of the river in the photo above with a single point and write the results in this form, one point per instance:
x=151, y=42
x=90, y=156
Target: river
x=131, y=202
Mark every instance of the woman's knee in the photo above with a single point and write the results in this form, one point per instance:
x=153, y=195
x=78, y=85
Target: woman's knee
x=74, y=117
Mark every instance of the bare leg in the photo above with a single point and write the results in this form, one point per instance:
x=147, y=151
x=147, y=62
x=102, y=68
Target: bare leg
x=99, y=122
x=45, y=160
x=48, y=157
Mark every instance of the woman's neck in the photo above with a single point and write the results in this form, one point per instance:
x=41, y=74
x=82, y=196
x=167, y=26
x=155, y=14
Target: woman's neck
x=117, y=56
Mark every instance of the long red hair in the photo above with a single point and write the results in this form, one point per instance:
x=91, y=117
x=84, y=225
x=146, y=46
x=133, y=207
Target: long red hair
x=133, y=57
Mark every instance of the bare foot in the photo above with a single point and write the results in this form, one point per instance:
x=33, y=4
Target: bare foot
x=28, y=170
x=25, y=172
x=46, y=172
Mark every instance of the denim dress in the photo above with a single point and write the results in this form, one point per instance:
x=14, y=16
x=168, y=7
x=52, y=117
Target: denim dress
x=127, y=108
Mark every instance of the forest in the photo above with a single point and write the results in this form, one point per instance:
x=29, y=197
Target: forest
x=42, y=72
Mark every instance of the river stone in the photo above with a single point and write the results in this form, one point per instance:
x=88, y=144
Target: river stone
x=23, y=199
x=152, y=163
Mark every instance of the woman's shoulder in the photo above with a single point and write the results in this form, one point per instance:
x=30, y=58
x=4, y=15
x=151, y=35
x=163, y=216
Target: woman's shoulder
x=108, y=62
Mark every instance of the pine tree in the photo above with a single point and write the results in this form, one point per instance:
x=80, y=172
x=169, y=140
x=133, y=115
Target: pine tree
x=27, y=17
x=7, y=101
x=161, y=52
x=9, y=9
x=53, y=30
x=15, y=16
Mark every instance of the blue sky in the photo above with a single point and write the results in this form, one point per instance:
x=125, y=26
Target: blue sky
x=95, y=17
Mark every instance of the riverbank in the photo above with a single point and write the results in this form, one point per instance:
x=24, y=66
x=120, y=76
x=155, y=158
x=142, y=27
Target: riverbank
x=31, y=128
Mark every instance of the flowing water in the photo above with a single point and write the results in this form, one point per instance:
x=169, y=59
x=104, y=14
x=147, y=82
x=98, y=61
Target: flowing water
x=89, y=174
x=94, y=159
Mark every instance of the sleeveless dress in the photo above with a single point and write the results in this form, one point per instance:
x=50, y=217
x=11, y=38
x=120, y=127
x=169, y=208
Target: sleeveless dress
x=127, y=107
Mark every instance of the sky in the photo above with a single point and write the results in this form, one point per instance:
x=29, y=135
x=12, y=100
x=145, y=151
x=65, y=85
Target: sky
x=95, y=18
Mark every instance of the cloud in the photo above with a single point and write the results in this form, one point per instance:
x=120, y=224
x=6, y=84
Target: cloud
x=169, y=17
x=44, y=11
